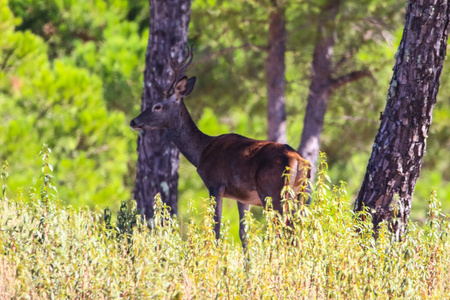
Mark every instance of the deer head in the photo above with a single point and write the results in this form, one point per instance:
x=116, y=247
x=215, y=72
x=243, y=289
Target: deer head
x=166, y=112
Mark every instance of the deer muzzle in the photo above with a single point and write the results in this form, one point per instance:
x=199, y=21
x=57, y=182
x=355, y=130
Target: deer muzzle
x=135, y=125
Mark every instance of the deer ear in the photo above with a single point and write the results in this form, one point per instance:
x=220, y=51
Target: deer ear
x=190, y=86
x=184, y=87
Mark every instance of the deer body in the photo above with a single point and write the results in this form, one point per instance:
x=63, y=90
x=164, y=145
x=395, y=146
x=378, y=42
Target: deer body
x=230, y=165
x=249, y=170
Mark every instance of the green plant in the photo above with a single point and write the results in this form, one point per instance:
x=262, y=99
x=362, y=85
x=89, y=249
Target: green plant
x=51, y=251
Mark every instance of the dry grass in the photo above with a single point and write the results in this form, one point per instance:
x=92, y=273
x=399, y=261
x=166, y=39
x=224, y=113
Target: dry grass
x=52, y=252
x=8, y=281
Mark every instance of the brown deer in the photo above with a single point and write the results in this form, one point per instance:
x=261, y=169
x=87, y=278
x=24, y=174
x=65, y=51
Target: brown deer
x=230, y=165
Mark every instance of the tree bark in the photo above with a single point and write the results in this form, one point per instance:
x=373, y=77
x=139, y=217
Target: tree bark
x=158, y=158
x=276, y=82
x=396, y=159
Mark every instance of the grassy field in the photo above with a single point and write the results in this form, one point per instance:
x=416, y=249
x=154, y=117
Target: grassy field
x=49, y=251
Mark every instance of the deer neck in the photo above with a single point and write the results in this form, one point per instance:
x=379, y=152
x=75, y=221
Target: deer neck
x=188, y=138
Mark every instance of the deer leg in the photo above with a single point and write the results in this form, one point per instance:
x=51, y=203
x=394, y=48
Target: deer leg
x=266, y=186
x=242, y=235
x=276, y=200
x=217, y=193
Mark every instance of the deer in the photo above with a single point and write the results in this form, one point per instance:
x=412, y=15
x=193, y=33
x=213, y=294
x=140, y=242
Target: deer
x=230, y=165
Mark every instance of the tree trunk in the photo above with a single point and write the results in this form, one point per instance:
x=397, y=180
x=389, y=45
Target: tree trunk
x=319, y=89
x=158, y=158
x=322, y=84
x=395, y=163
x=276, y=83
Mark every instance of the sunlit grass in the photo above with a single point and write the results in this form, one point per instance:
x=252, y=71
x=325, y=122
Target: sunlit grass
x=51, y=251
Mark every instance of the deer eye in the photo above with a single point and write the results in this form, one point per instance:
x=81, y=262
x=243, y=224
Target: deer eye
x=157, y=107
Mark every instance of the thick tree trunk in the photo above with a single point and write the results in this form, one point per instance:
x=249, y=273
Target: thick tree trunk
x=320, y=87
x=158, y=158
x=276, y=83
x=395, y=163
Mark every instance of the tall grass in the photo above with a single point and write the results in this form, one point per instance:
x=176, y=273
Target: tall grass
x=53, y=252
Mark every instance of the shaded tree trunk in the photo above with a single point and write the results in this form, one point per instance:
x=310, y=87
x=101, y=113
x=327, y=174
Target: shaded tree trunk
x=158, y=158
x=322, y=84
x=396, y=159
x=319, y=89
x=276, y=82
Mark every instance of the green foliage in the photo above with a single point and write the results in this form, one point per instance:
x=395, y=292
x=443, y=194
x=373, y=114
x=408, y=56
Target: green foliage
x=118, y=61
x=368, y=33
x=61, y=104
x=4, y=176
x=59, y=22
x=53, y=251
x=71, y=77
x=93, y=35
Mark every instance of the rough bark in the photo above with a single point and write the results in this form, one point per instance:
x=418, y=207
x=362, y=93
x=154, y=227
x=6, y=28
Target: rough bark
x=276, y=83
x=399, y=146
x=158, y=158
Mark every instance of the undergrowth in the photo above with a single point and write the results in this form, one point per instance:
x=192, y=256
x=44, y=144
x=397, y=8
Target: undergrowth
x=49, y=251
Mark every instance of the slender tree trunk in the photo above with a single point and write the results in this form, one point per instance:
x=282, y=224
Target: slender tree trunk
x=396, y=159
x=320, y=87
x=322, y=84
x=158, y=158
x=276, y=83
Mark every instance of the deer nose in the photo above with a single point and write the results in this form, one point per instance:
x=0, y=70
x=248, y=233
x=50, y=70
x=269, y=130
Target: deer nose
x=134, y=125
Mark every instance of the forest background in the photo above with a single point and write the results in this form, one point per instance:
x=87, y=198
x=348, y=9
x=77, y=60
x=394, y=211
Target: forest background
x=71, y=76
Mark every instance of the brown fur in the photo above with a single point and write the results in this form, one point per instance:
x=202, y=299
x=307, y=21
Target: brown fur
x=245, y=166
x=230, y=165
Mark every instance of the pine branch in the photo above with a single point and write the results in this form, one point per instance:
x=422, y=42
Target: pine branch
x=350, y=77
